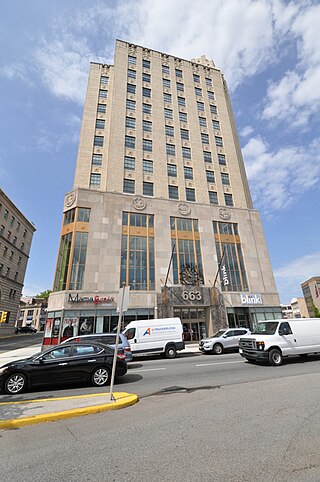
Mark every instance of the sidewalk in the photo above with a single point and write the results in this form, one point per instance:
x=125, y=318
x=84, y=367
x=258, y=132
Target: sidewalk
x=14, y=414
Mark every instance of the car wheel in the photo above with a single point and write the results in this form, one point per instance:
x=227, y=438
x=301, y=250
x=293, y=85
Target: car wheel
x=217, y=349
x=15, y=383
x=100, y=376
x=171, y=352
x=275, y=357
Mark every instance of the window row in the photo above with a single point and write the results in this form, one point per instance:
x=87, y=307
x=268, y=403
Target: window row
x=7, y=271
x=13, y=221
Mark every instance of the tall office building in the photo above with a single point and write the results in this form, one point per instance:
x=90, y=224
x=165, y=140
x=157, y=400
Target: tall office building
x=160, y=202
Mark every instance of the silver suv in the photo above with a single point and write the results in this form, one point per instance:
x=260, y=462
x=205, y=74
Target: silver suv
x=223, y=340
x=106, y=339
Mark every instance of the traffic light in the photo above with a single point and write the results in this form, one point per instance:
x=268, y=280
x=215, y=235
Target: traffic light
x=3, y=317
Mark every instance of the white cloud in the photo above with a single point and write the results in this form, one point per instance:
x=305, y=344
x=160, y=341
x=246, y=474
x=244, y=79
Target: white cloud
x=278, y=178
x=290, y=276
x=246, y=131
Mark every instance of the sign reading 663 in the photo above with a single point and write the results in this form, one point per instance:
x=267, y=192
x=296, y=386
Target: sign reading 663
x=191, y=295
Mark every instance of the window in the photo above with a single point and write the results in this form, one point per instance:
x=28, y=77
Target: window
x=167, y=98
x=169, y=131
x=165, y=69
x=147, y=126
x=24, y=233
x=211, y=95
x=1, y=229
x=130, y=123
x=208, y=82
x=130, y=142
x=181, y=101
x=225, y=178
x=19, y=260
x=131, y=88
x=184, y=134
x=129, y=163
x=216, y=125
x=147, y=188
x=198, y=91
x=14, y=240
x=186, y=153
x=128, y=186
x=132, y=60
x=131, y=104
x=103, y=94
x=22, y=246
x=190, y=194
x=146, y=92
x=98, y=141
x=132, y=74
x=1, y=268
x=8, y=272
x=146, y=64
x=183, y=117
x=213, y=197
x=100, y=123
x=200, y=106
x=102, y=108
x=84, y=215
x=147, y=145
x=205, y=138
x=172, y=170
x=196, y=78
x=146, y=108
x=188, y=172
x=210, y=176
x=11, y=255
x=219, y=142
x=228, y=199
x=222, y=159
x=5, y=214
x=104, y=80
x=171, y=150
x=179, y=73
x=168, y=113
x=97, y=159
x=95, y=179
x=9, y=235
x=173, y=192
x=180, y=87
x=213, y=109
x=147, y=166
x=5, y=250
x=166, y=83
x=12, y=221
x=146, y=77
x=137, y=252
x=202, y=122
x=69, y=217
x=18, y=226
x=207, y=156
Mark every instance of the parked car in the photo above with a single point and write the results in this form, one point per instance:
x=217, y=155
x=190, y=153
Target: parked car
x=27, y=329
x=223, y=340
x=106, y=339
x=65, y=363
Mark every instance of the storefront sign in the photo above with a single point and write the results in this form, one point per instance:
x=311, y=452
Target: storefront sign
x=224, y=275
x=96, y=300
x=255, y=299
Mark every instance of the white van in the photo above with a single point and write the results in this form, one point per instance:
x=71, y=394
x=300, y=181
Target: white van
x=274, y=340
x=164, y=336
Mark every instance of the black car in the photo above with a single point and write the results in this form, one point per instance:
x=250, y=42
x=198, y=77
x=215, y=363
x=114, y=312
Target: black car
x=65, y=363
x=27, y=329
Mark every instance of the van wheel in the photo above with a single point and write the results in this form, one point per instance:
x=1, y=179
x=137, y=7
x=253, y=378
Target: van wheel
x=275, y=357
x=170, y=352
x=217, y=349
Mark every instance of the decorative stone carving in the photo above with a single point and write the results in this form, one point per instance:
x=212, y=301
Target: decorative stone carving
x=105, y=69
x=224, y=213
x=69, y=199
x=139, y=203
x=184, y=209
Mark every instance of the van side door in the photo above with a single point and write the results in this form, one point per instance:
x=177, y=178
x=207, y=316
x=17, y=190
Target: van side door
x=288, y=342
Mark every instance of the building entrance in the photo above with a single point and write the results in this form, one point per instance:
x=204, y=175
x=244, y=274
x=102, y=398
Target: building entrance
x=194, y=323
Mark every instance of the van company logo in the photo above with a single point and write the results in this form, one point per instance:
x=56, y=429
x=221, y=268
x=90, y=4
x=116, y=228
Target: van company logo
x=251, y=299
x=147, y=332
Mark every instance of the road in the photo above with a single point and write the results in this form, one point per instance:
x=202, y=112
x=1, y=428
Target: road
x=20, y=341
x=227, y=421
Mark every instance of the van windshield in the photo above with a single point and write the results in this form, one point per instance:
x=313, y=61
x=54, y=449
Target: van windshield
x=268, y=328
x=218, y=334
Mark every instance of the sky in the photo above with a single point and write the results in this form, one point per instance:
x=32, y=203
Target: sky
x=269, y=52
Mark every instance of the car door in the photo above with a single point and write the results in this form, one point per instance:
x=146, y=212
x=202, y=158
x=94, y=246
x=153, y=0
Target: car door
x=230, y=340
x=288, y=342
x=85, y=358
x=52, y=367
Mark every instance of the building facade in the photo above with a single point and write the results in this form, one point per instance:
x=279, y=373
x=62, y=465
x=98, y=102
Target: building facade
x=16, y=234
x=161, y=203
x=32, y=311
x=311, y=293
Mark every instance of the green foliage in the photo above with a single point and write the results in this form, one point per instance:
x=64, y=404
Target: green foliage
x=44, y=294
x=316, y=311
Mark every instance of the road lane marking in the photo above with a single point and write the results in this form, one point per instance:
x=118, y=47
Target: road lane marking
x=218, y=363
x=147, y=370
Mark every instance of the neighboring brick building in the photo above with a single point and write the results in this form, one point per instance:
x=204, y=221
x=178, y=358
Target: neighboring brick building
x=311, y=293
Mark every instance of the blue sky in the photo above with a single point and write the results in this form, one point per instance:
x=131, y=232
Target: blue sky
x=269, y=51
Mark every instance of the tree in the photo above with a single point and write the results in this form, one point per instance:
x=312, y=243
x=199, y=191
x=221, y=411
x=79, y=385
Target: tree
x=44, y=294
x=316, y=311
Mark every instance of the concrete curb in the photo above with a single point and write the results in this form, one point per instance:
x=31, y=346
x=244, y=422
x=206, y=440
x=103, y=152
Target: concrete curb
x=122, y=400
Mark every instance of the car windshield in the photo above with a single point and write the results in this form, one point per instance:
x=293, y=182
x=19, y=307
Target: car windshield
x=268, y=328
x=218, y=334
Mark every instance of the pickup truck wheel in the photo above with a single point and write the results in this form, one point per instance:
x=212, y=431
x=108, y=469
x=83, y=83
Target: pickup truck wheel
x=217, y=349
x=170, y=352
x=275, y=357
